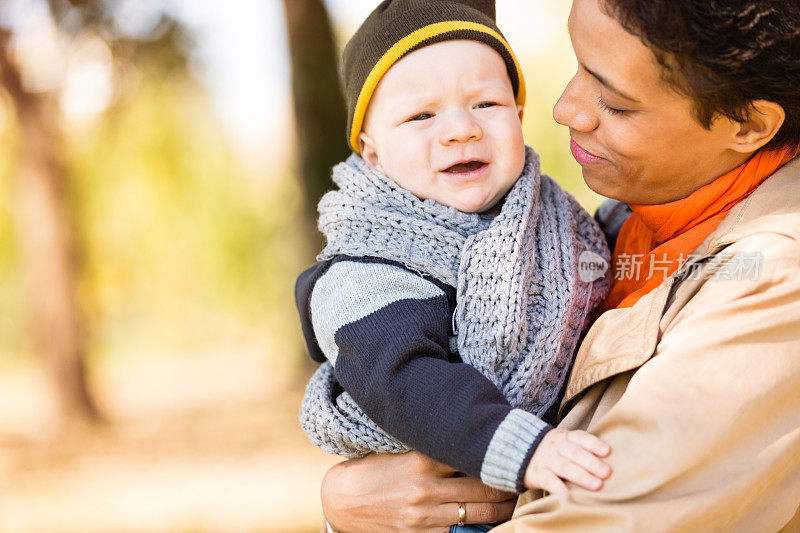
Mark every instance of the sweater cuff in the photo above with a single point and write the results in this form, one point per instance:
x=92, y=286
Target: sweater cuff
x=510, y=450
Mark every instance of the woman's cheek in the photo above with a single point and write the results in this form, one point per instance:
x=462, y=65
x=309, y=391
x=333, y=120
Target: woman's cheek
x=621, y=149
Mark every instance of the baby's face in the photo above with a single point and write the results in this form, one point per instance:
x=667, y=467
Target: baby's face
x=443, y=124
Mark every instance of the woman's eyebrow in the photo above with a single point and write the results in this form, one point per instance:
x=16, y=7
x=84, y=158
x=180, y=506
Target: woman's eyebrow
x=607, y=84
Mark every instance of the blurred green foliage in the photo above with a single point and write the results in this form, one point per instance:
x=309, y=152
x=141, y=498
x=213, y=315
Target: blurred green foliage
x=10, y=286
x=546, y=76
x=180, y=247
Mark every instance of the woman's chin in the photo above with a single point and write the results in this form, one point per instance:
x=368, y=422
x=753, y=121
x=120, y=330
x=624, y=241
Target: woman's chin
x=602, y=185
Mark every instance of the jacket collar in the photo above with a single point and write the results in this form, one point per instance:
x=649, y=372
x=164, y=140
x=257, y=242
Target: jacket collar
x=773, y=207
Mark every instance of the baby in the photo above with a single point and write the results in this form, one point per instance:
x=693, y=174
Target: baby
x=447, y=303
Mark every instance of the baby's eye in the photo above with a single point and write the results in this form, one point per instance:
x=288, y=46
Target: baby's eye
x=421, y=116
x=483, y=105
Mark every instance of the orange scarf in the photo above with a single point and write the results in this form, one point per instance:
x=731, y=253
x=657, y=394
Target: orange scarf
x=656, y=239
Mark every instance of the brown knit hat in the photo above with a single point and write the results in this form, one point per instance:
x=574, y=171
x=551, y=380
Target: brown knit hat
x=398, y=27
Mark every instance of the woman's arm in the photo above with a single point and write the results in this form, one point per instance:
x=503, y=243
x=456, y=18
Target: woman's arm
x=406, y=492
x=706, y=434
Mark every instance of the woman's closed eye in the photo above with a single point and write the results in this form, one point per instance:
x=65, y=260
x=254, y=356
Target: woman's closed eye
x=611, y=110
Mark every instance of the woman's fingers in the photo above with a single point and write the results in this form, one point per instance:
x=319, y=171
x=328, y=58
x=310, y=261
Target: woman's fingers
x=406, y=493
x=476, y=513
x=468, y=489
x=419, y=511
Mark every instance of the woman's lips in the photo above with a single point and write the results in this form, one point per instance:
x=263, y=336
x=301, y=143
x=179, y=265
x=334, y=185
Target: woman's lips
x=582, y=156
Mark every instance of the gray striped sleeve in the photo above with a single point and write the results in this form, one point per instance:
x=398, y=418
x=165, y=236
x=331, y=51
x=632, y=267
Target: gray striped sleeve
x=351, y=290
x=509, y=447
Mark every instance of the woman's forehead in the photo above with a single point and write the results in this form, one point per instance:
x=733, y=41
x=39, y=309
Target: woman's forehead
x=618, y=59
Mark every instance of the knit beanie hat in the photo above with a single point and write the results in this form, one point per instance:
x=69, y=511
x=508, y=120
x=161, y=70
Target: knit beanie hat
x=398, y=27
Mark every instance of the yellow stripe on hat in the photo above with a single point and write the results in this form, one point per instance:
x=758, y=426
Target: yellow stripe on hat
x=402, y=47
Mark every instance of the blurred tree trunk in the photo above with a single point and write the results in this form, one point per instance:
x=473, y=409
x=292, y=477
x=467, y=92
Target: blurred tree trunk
x=318, y=102
x=45, y=244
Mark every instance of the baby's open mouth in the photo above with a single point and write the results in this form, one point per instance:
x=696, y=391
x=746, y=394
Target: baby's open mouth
x=463, y=168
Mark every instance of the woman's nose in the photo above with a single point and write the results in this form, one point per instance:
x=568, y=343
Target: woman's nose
x=459, y=127
x=575, y=108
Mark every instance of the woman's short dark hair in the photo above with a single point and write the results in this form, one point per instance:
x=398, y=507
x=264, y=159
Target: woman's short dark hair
x=724, y=54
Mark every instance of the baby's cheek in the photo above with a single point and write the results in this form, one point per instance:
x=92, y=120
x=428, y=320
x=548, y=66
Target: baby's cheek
x=414, y=178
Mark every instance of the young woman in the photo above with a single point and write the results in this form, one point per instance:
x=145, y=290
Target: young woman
x=689, y=112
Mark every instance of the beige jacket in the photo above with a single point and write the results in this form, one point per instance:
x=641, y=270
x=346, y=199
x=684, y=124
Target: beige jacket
x=697, y=389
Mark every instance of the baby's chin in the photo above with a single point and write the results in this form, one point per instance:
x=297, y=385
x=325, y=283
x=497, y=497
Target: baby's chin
x=473, y=200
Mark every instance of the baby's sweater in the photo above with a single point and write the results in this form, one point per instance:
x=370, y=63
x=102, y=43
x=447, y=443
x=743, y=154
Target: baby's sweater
x=388, y=333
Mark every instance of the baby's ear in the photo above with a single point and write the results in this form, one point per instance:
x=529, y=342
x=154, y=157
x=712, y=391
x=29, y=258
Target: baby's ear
x=520, y=112
x=369, y=153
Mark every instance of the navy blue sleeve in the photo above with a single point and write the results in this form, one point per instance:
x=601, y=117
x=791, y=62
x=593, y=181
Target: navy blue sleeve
x=302, y=297
x=386, y=331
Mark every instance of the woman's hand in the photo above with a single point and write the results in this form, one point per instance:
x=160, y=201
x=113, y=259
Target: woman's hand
x=406, y=492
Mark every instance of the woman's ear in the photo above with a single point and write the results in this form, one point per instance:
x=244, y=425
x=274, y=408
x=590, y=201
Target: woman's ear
x=763, y=122
x=369, y=152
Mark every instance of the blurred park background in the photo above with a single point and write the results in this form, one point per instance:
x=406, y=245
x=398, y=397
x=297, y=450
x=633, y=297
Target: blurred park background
x=158, y=172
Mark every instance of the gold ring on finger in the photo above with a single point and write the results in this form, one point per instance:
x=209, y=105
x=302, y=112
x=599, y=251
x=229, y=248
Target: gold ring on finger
x=462, y=513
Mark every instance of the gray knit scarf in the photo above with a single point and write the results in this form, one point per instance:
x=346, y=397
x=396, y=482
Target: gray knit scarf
x=521, y=304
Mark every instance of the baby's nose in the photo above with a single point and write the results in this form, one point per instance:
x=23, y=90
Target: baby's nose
x=459, y=127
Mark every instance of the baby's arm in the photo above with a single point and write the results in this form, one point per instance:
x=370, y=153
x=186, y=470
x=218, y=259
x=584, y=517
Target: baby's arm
x=386, y=332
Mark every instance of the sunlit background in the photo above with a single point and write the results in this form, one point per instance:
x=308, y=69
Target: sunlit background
x=170, y=129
